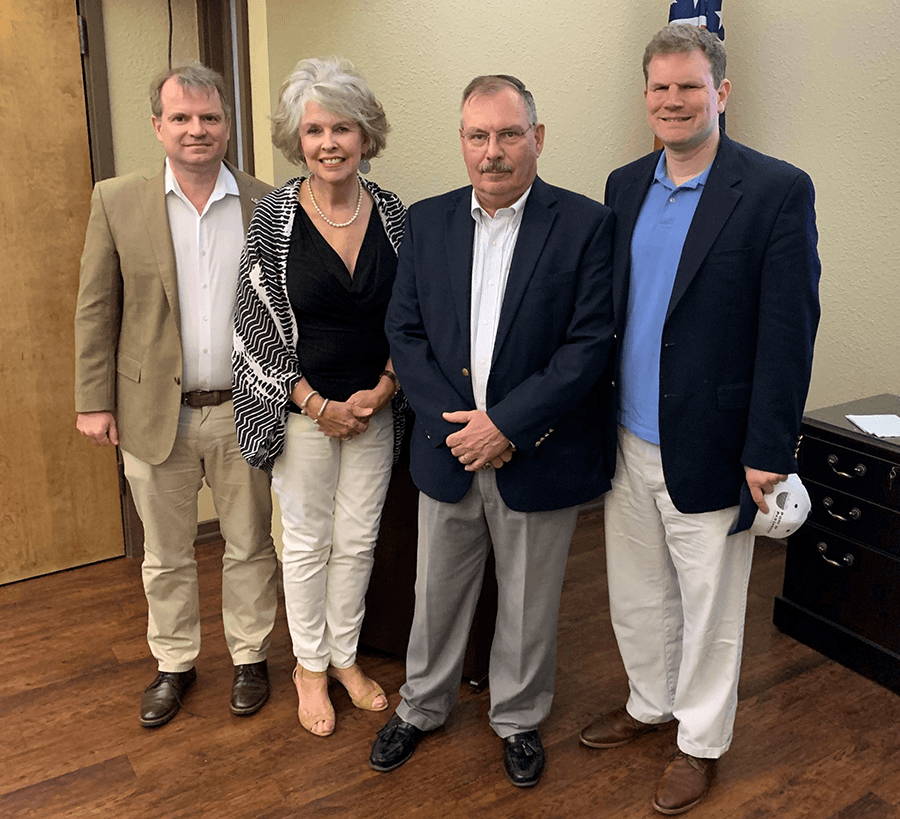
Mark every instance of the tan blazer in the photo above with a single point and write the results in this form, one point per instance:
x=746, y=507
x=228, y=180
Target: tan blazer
x=128, y=357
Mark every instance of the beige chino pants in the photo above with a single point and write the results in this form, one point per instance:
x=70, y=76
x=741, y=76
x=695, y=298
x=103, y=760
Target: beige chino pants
x=165, y=495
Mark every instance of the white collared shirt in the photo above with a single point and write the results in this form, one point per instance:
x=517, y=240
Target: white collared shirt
x=207, y=253
x=495, y=241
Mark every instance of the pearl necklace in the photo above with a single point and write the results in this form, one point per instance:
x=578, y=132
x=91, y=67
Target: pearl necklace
x=319, y=210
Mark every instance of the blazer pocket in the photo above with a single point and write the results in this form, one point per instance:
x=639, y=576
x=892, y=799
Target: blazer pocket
x=129, y=368
x=733, y=396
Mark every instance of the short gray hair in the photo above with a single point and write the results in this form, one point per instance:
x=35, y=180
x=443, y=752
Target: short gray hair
x=192, y=75
x=681, y=38
x=493, y=83
x=338, y=87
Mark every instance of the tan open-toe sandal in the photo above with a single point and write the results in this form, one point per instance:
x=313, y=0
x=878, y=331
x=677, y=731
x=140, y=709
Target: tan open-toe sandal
x=308, y=719
x=362, y=698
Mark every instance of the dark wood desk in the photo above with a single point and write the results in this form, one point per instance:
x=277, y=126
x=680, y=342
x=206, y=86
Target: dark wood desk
x=842, y=574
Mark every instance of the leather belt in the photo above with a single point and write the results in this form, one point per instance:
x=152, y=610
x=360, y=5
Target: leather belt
x=204, y=398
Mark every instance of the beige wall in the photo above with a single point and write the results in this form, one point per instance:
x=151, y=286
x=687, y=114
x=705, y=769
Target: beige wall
x=817, y=89
x=137, y=34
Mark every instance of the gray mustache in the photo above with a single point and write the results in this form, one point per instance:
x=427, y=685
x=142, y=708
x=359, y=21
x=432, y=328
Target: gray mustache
x=496, y=167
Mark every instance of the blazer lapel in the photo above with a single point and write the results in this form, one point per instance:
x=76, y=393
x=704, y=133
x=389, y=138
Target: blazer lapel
x=627, y=206
x=459, y=239
x=248, y=201
x=533, y=232
x=156, y=223
x=717, y=201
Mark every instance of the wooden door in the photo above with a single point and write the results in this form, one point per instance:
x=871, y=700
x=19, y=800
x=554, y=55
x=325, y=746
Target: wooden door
x=59, y=495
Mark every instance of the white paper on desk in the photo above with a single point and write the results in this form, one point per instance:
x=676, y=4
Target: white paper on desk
x=882, y=426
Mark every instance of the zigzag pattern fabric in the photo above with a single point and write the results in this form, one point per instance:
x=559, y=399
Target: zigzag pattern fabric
x=265, y=329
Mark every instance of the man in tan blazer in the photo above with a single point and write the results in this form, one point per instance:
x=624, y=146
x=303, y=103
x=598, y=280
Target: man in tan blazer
x=153, y=331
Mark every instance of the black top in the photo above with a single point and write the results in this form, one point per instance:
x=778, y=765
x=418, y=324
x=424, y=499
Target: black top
x=341, y=343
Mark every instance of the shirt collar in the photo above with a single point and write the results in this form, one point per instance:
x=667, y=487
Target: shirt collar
x=226, y=184
x=479, y=213
x=660, y=175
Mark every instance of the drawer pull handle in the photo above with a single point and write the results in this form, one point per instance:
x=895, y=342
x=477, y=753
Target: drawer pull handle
x=858, y=471
x=846, y=560
x=854, y=513
x=895, y=471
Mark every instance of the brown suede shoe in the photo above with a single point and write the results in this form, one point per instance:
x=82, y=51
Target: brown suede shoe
x=614, y=729
x=684, y=783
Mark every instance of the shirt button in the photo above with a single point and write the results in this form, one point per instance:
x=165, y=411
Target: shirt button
x=672, y=199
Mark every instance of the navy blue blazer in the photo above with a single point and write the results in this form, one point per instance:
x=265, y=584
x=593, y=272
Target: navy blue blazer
x=737, y=342
x=548, y=390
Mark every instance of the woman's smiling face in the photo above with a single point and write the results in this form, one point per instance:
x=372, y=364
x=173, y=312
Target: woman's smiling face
x=332, y=144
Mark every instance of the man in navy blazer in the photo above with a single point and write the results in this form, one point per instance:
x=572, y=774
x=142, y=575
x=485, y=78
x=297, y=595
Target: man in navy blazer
x=716, y=303
x=501, y=332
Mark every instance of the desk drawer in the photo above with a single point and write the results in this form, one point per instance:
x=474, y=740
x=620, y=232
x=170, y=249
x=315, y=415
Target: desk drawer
x=861, y=592
x=850, y=517
x=847, y=470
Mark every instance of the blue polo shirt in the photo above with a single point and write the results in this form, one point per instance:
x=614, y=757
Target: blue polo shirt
x=656, y=245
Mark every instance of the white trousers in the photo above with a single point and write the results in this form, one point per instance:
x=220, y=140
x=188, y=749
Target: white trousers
x=331, y=494
x=166, y=499
x=678, y=595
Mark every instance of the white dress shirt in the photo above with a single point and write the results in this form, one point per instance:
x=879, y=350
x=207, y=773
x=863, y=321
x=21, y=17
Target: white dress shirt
x=495, y=241
x=207, y=252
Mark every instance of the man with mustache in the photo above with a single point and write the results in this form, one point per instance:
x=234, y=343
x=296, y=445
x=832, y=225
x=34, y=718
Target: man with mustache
x=501, y=331
x=716, y=302
x=153, y=336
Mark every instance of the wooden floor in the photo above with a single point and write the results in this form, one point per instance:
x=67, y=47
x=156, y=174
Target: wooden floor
x=812, y=738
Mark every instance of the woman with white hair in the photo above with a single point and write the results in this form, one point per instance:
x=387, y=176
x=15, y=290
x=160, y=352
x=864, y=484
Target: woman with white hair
x=313, y=378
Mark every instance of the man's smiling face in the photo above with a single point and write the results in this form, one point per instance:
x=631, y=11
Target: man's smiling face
x=193, y=127
x=683, y=104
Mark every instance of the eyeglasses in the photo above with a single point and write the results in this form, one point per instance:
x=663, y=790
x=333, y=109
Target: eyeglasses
x=508, y=137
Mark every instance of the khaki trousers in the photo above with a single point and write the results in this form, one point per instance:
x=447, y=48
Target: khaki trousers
x=677, y=596
x=166, y=499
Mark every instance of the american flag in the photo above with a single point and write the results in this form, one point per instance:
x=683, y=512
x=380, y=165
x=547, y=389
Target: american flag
x=705, y=13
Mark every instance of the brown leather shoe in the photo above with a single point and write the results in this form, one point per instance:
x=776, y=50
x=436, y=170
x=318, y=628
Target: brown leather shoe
x=684, y=783
x=614, y=729
x=162, y=698
x=250, y=688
